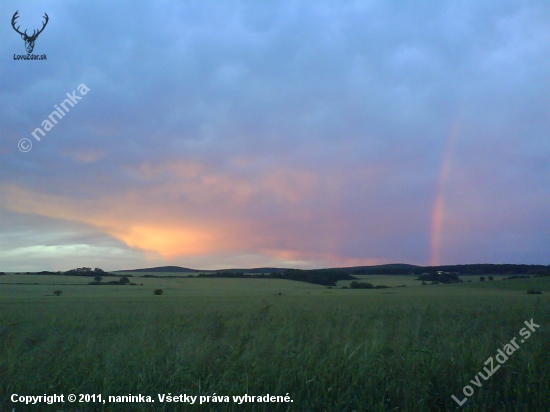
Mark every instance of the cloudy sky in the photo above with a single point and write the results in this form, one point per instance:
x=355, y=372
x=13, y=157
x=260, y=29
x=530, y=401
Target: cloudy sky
x=292, y=133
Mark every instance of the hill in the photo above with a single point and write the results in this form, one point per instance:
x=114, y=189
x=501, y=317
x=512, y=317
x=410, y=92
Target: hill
x=164, y=269
x=387, y=269
x=253, y=270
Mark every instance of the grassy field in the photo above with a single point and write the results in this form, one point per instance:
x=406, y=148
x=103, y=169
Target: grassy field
x=400, y=349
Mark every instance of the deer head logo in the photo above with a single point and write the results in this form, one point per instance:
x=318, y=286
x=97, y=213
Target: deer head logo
x=29, y=40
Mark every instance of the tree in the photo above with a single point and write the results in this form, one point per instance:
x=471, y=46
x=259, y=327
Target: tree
x=361, y=285
x=84, y=271
x=490, y=278
x=98, y=278
x=57, y=292
x=124, y=280
x=482, y=278
x=158, y=291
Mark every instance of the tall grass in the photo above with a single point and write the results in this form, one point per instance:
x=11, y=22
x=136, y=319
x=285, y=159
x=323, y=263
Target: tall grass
x=327, y=353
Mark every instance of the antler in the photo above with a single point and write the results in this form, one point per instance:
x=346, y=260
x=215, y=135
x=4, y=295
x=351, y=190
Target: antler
x=43, y=27
x=15, y=17
x=34, y=33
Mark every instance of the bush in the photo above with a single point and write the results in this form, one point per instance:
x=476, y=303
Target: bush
x=360, y=285
x=317, y=276
x=482, y=278
x=491, y=278
x=86, y=272
x=534, y=292
x=57, y=292
x=441, y=277
x=158, y=291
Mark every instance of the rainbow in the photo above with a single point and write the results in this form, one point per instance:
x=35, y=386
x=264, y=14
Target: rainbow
x=438, y=210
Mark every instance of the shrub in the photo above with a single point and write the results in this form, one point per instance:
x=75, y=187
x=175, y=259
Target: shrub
x=57, y=292
x=441, y=277
x=482, y=278
x=158, y=291
x=360, y=285
x=317, y=276
x=534, y=292
x=86, y=272
x=491, y=278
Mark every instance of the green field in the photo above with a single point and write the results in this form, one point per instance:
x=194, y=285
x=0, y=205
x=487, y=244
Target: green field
x=329, y=349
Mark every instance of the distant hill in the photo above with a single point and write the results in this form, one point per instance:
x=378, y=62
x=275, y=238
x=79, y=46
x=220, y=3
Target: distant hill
x=392, y=267
x=165, y=269
x=388, y=269
x=327, y=276
x=179, y=269
x=253, y=270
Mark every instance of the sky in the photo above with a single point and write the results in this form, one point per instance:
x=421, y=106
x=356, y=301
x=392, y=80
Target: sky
x=303, y=133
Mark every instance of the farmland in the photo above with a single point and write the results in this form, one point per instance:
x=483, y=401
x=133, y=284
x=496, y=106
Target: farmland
x=330, y=349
